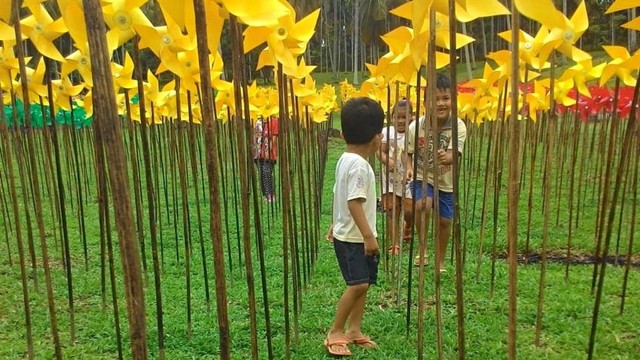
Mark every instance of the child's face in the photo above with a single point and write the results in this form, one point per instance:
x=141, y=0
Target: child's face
x=400, y=119
x=375, y=143
x=443, y=105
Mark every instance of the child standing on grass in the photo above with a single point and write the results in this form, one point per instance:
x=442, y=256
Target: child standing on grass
x=428, y=137
x=353, y=232
x=396, y=195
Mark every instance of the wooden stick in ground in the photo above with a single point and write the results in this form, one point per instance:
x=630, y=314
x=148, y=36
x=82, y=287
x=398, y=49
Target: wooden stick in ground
x=574, y=160
x=194, y=171
x=242, y=123
x=105, y=227
x=457, y=248
x=617, y=186
x=602, y=213
x=38, y=210
x=137, y=183
x=18, y=234
x=546, y=200
x=106, y=114
x=62, y=207
x=633, y=221
x=184, y=201
x=513, y=196
x=211, y=143
x=80, y=197
x=151, y=199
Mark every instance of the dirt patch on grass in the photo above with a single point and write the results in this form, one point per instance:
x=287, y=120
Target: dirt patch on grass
x=576, y=258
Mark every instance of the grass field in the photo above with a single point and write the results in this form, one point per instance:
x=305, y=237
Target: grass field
x=568, y=302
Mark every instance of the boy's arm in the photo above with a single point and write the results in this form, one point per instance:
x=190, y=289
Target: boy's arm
x=383, y=154
x=357, y=212
x=408, y=165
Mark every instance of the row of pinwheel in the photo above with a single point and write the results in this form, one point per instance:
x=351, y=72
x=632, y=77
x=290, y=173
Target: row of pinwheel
x=479, y=98
x=174, y=44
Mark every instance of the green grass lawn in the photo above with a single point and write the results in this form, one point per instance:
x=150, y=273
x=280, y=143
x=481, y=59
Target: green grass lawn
x=567, y=313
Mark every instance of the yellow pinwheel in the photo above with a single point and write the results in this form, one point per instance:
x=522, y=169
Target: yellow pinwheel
x=529, y=46
x=80, y=59
x=123, y=15
x=123, y=74
x=35, y=82
x=503, y=59
x=8, y=66
x=538, y=100
x=186, y=68
x=563, y=32
x=7, y=34
x=64, y=91
x=5, y=11
x=581, y=73
x=165, y=38
x=259, y=13
x=86, y=102
x=287, y=39
x=621, y=65
x=41, y=29
x=561, y=91
x=619, y=5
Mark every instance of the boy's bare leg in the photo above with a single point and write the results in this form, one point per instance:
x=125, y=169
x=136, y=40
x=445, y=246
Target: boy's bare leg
x=355, y=318
x=443, y=239
x=346, y=305
x=423, y=214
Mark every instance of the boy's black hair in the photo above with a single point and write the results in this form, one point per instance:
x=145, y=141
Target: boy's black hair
x=362, y=119
x=443, y=82
x=402, y=103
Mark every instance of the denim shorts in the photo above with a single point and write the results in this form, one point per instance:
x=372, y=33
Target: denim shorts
x=445, y=199
x=356, y=267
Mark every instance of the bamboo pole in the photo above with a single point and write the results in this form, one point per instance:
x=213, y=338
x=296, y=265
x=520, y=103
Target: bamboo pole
x=38, y=204
x=105, y=114
x=513, y=195
x=211, y=144
x=625, y=154
x=242, y=123
x=151, y=196
x=456, y=238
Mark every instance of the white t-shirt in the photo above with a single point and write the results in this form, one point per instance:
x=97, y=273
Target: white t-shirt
x=394, y=184
x=355, y=179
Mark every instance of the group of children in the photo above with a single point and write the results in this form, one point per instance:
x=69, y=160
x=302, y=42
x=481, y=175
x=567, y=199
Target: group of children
x=353, y=232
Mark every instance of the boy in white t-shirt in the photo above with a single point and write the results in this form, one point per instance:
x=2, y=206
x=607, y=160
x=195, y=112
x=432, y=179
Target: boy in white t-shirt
x=396, y=194
x=353, y=232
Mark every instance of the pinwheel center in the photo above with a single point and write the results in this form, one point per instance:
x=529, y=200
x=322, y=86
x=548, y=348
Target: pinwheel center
x=116, y=75
x=187, y=63
x=281, y=33
x=84, y=61
x=568, y=36
x=528, y=46
x=122, y=20
x=167, y=40
x=38, y=28
x=60, y=88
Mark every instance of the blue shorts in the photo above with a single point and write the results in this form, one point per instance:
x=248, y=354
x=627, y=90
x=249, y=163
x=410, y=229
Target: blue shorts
x=356, y=267
x=445, y=199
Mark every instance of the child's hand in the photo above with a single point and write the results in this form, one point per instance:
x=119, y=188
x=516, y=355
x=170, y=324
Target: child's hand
x=371, y=246
x=330, y=234
x=442, y=157
x=391, y=165
x=408, y=175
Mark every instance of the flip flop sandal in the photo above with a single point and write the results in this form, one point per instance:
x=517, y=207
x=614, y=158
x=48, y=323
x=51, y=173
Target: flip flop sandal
x=342, y=344
x=364, y=342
